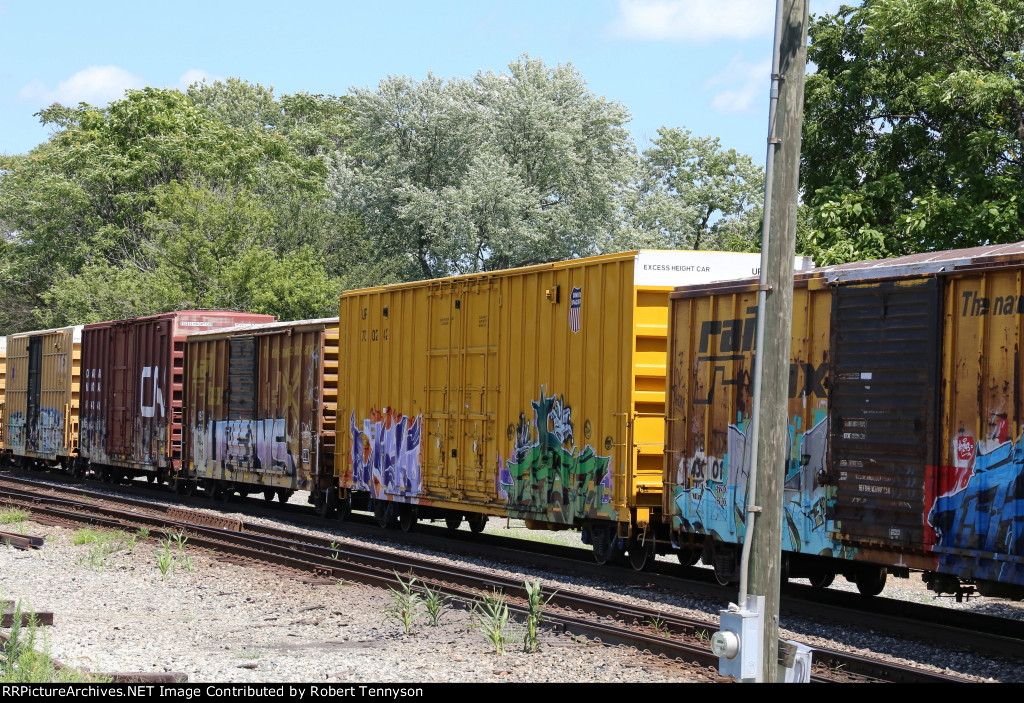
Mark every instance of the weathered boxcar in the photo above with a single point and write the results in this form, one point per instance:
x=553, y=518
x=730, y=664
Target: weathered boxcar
x=3, y=391
x=905, y=418
x=261, y=408
x=41, y=398
x=133, y=391
x=535, y=393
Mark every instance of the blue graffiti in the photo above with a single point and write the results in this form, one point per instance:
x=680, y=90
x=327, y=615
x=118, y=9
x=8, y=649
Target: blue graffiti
x=980, y=526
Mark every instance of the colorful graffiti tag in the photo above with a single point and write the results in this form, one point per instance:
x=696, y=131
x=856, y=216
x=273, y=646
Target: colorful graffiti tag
x=386, y=453
x=548, y=477
x=43, y=434
x=244, y=445
x=977, y=516
x=710, y=490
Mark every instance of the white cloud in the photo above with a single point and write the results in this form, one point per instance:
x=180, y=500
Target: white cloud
x=743, y=83
x=702, y=20
x=705, y=20
x=96, y=85
x=195, y=75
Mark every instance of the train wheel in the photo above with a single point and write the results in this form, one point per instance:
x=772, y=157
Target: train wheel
x=687, y=556
x=268, y=495
x=344, y=508
x=325, y=505
x=724, y=563
x=605, y=544
x=380, y=512
x=283, y=495
x=453, y=522
x=870, y=582
x=222, y=492
x=477, y=522
x=822, y=580
x=407, y=518
x=640, y=555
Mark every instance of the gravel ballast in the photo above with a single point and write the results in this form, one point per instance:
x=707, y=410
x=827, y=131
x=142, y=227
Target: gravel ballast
x=226, y=622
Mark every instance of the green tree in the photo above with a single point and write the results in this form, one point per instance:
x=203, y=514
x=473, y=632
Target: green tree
x=914, y=127
x=693, y=194
x=157, y=202
x=501, y=170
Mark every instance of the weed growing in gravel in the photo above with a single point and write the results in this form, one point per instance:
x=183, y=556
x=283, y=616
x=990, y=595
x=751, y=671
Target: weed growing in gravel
x=22, y=662
x=102, y=543
x=171, y=554
x=165, y=558
x=9, y=516
x=658, y=624
x=407, y=604
x=335, y=546
x=491, y=617
x=142, y=532
x=702, y=635
x=434, y=602
x=535, y=614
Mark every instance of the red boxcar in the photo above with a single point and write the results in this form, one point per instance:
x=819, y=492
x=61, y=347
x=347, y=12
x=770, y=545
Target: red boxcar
x=132, y=391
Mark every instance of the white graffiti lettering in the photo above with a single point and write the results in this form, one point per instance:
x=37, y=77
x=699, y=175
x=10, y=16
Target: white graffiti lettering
x=158, y=396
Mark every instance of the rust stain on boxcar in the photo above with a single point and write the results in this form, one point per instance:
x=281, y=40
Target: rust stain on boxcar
x=133, y=387
x=262, y=405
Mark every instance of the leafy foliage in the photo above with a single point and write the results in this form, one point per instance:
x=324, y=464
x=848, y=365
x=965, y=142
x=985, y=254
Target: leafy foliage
x=229, y=197
x=693, y=194
x=914, y=127
x=497, y=171
x=158, y=202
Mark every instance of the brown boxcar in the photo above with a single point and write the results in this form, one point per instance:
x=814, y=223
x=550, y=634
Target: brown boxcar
x=41, y=399
x=905, y=417
x=535, y=393
x=260, y=417
x=133, y=391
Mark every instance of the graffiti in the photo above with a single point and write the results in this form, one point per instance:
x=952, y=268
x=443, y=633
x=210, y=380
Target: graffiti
x=548, y=477
x=16, y=431
x=157, y=395
x=976, y=516
x=43, y=433
x=386, y=453
x=710, y=490
x=244, y=445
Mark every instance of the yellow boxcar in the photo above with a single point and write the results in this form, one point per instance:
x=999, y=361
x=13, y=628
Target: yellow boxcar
x=3, y=386
x=711, y=382
x=535, y=393
x=260, y=408
x=906, y=439
x=974, y=502
x=41, y=403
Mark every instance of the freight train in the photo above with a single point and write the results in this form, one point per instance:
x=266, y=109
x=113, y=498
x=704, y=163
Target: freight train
x=609, y=395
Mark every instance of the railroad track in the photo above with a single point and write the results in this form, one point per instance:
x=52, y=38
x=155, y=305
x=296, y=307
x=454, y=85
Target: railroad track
x=977, y=631
x=607, y=621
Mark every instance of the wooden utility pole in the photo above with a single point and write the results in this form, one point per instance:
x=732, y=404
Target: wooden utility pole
x=777, y=310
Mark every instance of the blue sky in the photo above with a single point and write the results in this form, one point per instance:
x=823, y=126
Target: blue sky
x=699, y=64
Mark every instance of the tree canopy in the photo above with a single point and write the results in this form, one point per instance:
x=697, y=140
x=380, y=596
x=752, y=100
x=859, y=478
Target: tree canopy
x=164, y=200
x=693, y=194
x=227, y=196
x=485, y=173
x=914, y=127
